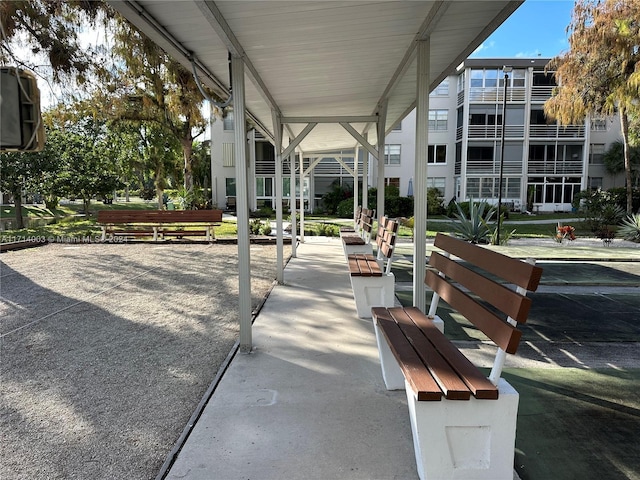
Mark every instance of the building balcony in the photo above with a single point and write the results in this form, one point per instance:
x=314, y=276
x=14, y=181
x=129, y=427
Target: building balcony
x=491, y=132
x=541, y=94
x=496, y=94
x=541, y=167
x=557, y=131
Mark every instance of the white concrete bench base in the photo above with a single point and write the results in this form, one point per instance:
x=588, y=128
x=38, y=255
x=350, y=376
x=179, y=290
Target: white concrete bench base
x=373, y=292
x=465, y=439
x=391, y=371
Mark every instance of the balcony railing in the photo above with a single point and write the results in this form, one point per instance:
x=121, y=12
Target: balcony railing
x=495, y=131
x=540, y=167
x=556, y=131
x=541, y=94
x=496, y=94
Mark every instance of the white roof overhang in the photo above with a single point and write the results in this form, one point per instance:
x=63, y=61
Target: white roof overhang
x=326, y=61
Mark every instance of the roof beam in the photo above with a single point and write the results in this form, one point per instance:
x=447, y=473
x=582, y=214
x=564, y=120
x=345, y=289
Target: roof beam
x=360, y=139
x=296, y=141
x=336, y=119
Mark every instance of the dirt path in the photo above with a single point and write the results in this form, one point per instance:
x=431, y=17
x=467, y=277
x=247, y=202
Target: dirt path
x=105, y=351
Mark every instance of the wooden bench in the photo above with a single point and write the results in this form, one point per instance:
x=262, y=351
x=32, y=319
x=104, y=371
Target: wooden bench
x=359, y=239
x=372, y=282
x=463, y=423
x=159, y=223
x=356, y=220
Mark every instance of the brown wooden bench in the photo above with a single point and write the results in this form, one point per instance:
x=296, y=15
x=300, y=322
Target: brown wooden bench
x=159, y=223
x=356, y=220
x=363, y=228
x=473, y=438
x=371, y=279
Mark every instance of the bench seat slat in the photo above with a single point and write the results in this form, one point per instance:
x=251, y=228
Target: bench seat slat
x=501, y=297
x=363, y=265
x=412, y=366
x=480, y=386
x=503, y=334
x=183, y=233
x=453, y=387
x=353, y=240
x=130, y=232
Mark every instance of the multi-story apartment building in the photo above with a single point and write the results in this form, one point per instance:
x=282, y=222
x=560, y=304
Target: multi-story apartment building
x=544, y=165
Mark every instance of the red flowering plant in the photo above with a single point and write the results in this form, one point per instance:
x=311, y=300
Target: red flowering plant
x=564, y=232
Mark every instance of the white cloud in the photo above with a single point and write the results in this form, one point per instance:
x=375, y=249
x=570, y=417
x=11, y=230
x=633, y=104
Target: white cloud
x=483, y=47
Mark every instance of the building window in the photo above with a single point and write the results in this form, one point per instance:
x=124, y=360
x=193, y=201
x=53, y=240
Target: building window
x=397, y=128
x=595, y=183
x=264, y=187
x=392, y=182
x=442, y=90
x=228, y=155
x=230, y=189
x=438, y=120
x=227, y=120
x=437, y=154
x=598, y=125
x=487, y=187
x=596, y=153
x=437, y=182
x=544, y=79
x=392, y=154
x=460, y=84
x=553, y=189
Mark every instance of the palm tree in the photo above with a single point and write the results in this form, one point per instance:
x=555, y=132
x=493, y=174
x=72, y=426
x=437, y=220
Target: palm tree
x=598, y=74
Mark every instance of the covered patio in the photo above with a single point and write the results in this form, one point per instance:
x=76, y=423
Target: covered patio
x=316, y=76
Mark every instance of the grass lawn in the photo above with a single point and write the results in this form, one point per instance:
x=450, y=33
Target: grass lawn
x=67, y=220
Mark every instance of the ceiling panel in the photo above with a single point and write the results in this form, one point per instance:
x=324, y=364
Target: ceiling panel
x=319, y=58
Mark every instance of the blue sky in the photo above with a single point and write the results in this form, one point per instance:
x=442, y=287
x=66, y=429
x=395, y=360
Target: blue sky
x=536, y=28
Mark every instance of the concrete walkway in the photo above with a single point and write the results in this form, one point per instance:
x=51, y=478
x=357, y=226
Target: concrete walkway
x=309, y=402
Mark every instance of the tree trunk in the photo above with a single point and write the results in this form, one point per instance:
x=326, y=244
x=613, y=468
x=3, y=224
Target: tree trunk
x=159, y=188
x=86, y=202
x=17, y=200
x=187, y=152
x=624, y=123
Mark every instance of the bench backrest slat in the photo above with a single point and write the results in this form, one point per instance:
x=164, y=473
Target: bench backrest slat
x=500, y=332
x=501, y=297
x=158, y=216
x=510, y=269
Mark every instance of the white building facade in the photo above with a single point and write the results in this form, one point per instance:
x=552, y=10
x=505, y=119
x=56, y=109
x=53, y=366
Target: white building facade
x=544, y=165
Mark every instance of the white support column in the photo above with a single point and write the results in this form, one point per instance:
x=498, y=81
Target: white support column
x=277, y=130
x=292, y=196
x=365, y=179
x=301, y=197
x=420, y=176
x=242, y=205
x=381, y=126
x=355, y=179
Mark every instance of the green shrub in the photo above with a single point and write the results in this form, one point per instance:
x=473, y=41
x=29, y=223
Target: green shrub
x=327, y=230
x=255, y=226
x=472, y=226
x=598, y=209
x=435, y=205
x=398, y=206
x=337, y=194
x=345, y=208
x=630, y=228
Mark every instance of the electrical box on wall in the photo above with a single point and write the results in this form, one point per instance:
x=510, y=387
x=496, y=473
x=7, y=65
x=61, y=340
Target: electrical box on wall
x=21, y=127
